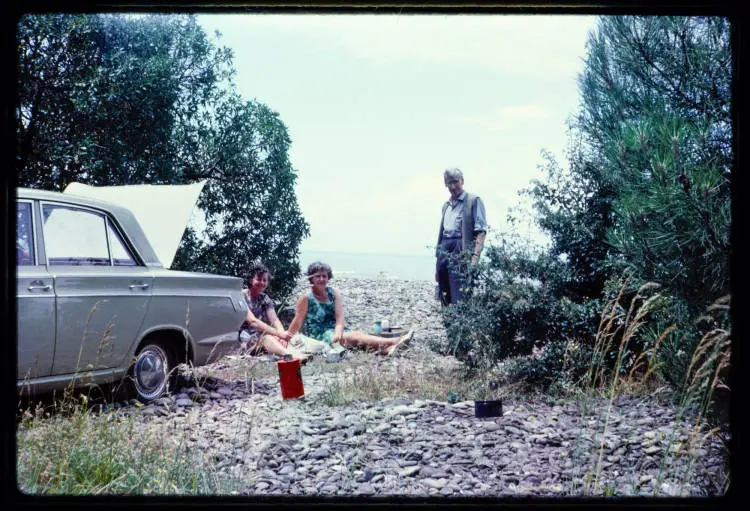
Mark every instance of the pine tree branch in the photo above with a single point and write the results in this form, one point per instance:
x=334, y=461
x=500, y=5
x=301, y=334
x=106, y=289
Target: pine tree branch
x=706, y=221
x=640, y=46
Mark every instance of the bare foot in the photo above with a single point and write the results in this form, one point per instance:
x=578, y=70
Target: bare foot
x=402, y=342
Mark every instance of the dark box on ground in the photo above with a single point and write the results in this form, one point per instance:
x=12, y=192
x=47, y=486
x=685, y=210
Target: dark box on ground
x=488, y=408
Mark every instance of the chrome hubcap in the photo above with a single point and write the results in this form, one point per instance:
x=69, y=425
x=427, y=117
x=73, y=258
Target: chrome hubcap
x=149, y=371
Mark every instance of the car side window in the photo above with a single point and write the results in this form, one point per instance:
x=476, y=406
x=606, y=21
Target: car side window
x=75, y=236
x=24, y=235
x=120, y=254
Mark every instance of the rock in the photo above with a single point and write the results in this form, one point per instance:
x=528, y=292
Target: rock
x=355, y=430
x=365, y=489
x=399, y=401
x=533, y=479
x=320, y=453
x=434, y=483
x=672, y=490
x=427, y=471
x=484, y=462
x=514, y=431
x=403, y=410
x=408, y=472
x=308, y=430
x=286, y=469
x=268, y=474
x=645, y=479
x=382, y=428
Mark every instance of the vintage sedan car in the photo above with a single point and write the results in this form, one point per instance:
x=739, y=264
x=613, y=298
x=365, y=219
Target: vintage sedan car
x=96, y=305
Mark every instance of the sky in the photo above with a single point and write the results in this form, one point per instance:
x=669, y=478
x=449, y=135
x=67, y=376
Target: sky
x=377, y=106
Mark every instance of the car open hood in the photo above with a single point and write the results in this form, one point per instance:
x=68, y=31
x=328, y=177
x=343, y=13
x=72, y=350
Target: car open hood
x=163, y=211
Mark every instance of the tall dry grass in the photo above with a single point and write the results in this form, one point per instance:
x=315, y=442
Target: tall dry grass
x=617, y=329
x=70, y=448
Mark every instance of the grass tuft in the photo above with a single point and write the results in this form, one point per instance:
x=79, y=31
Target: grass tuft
x=708, y=363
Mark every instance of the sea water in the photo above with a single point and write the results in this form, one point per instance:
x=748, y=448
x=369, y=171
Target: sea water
x=371, y=265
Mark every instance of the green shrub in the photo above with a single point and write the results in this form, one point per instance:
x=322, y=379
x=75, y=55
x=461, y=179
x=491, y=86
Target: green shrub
x=526, y=322
x=556, y=368
x=517, y=306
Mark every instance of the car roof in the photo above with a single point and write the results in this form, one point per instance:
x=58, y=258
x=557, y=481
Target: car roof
x=124, y=217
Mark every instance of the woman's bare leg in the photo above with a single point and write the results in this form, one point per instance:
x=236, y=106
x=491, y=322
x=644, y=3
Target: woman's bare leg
x=362, y=340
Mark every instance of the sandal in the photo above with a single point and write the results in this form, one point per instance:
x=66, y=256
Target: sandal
x=403, y=342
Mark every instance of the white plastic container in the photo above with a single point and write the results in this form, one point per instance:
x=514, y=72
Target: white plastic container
x=335, y=353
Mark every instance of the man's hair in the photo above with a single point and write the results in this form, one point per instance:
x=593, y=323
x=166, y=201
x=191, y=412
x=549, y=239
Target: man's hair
x=453, y=173
x=257, y=268
x=316, y=267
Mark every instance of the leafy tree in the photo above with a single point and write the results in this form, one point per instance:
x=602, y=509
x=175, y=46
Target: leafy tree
x=646, y=193
x=100, y=96
x=129, y=99
x=251, y=208
x=575, y=206
x=648, y=184
x=656, y=109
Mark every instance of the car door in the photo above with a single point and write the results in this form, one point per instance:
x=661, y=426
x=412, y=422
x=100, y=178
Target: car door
x=35, y=299
x=102, y=289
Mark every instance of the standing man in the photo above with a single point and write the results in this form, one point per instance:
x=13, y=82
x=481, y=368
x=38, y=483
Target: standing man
x=463, y=228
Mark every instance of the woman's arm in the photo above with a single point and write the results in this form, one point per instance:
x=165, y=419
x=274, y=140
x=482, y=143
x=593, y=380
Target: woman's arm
x=259, y=325
x=251, y=319
x=299, y=315
x=274, y=320
x=338, y=310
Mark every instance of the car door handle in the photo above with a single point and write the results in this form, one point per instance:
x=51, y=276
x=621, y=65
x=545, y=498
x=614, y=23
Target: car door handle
x=38, y=285
x=139, y=286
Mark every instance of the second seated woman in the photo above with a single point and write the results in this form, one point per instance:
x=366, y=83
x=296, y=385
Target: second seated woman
x=321, y=311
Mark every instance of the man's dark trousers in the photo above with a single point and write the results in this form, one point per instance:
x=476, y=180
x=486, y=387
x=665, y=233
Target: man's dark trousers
x=451, y=271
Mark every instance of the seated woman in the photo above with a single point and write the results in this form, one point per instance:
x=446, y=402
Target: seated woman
x=322, y=311
x=266, y=331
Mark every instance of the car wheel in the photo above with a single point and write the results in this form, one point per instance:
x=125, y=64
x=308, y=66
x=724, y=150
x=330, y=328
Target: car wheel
x=152, y=371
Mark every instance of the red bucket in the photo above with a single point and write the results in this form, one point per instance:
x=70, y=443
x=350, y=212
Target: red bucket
x=291, y=378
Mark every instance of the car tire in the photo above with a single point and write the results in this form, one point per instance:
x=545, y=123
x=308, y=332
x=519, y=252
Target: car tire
x=152, y=371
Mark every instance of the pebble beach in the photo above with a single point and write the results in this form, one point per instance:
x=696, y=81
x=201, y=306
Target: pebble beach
x=324, y=444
